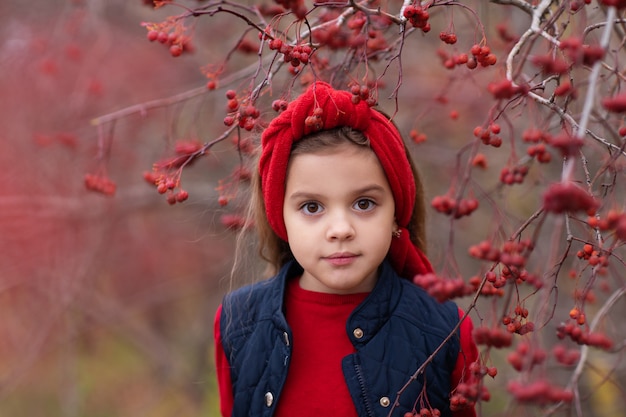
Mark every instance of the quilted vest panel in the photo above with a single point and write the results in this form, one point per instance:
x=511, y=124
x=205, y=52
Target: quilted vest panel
x=399, y=326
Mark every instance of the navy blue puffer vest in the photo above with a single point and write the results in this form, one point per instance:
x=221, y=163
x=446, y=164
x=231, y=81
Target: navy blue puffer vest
x=393, y=330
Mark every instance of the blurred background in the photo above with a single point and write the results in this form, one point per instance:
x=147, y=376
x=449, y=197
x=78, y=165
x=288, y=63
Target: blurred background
x=107, y=302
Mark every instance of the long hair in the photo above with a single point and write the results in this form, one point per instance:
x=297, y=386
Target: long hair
x=274, y=250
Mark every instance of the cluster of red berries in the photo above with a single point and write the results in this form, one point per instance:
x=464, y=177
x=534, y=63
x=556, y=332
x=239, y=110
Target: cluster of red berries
x=100, y=184
x=539, y=392
x=550, y=65
x=582, y=336
x=297, y=7
x=514, y=175
x=525, y=358
x=417, y=17
x=294, y=55
x=417, y=137
x=613, y=221
x=442, y=289
x=452, y=61
x=492, y=337
x=246, y=117
x=505, y=89
x=481, y=55
x=578, y=52
x=615, y=104
x=564, y=197
x=315, y=121
x=165, y=174
x=449, y=206
x=479, y=370
x=489, y=136
x=233, y=221
x=448, y=37
x=490, y=288
x=280, y=105
x=362, y=92
x=177, y=43
x=517, y=322
x=513, y=253
x=567, y=144
x=424, y=412
x=537, y=138
x=467, y=394
x=485, y=251
x=564, y=356
x=592, y=256
x=167, y=185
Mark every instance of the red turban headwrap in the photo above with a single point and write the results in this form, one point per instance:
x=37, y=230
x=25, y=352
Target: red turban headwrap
x=385, y=140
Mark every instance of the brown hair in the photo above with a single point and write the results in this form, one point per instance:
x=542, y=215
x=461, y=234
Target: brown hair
x=275, y=250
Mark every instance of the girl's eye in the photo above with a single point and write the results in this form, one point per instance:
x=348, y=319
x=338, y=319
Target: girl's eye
x=364, y=204
x=311, y=208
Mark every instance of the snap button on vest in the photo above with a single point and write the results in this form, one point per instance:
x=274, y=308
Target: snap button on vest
x=384, y=401
x=269, y=399
x=358, y=333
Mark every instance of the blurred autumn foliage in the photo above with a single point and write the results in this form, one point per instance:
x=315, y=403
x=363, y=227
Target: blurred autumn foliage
x=107, y=298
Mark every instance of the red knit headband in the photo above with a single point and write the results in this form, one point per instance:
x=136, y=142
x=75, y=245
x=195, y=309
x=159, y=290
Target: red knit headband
x=338, y=110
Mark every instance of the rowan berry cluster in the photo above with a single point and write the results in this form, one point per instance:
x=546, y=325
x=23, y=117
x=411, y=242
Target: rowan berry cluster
x=417, y=17
x=100, y=184
x=424, y=412
x=449, y=206
x=489, y=136
x=550, y=64
x=567, y=144
x=493, y=284
x=612, y=221
x=583, y=336
x=280, y=105
x=452, y=61
x=315, y=121
x=481, y=55
x=297, y=7
x=564, y=356
x=592, y=256
x=568, y=197
x=525, y=357
x=362, y=92
x=539, y=392
x=616, y=104
x=514, y=175
x=467, y=394
x=537, y=148
x=175, y=40
x=294, y=55
x=517, y=322
x=505, y=89
x=580, y=53
x=448, y=37
x=442, y=289
x=417, y=137
x=233, y=221
x=492, y=337
x=245, y=116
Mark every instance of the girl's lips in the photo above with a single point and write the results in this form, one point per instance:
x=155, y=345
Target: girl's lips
x=341, y=259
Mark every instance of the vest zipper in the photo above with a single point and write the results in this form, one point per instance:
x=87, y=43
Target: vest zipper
x=359, y=375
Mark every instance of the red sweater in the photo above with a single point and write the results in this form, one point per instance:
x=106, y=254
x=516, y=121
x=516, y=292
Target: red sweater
x=317, y=321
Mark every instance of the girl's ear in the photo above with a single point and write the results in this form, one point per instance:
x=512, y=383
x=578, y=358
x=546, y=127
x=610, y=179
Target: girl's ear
x=395, y=231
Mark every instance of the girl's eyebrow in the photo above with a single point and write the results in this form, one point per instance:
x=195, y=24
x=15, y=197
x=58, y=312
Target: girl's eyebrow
x=371, y=188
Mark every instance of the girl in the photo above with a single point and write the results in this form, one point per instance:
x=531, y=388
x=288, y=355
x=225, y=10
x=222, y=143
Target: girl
x=340, y=329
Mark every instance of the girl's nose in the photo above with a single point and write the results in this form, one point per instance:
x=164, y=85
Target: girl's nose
x=340, y=227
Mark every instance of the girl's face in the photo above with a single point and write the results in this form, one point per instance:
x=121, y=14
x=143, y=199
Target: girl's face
x=339, y=215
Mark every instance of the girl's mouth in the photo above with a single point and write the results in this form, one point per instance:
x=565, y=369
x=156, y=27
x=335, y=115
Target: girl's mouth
x=341, y=259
